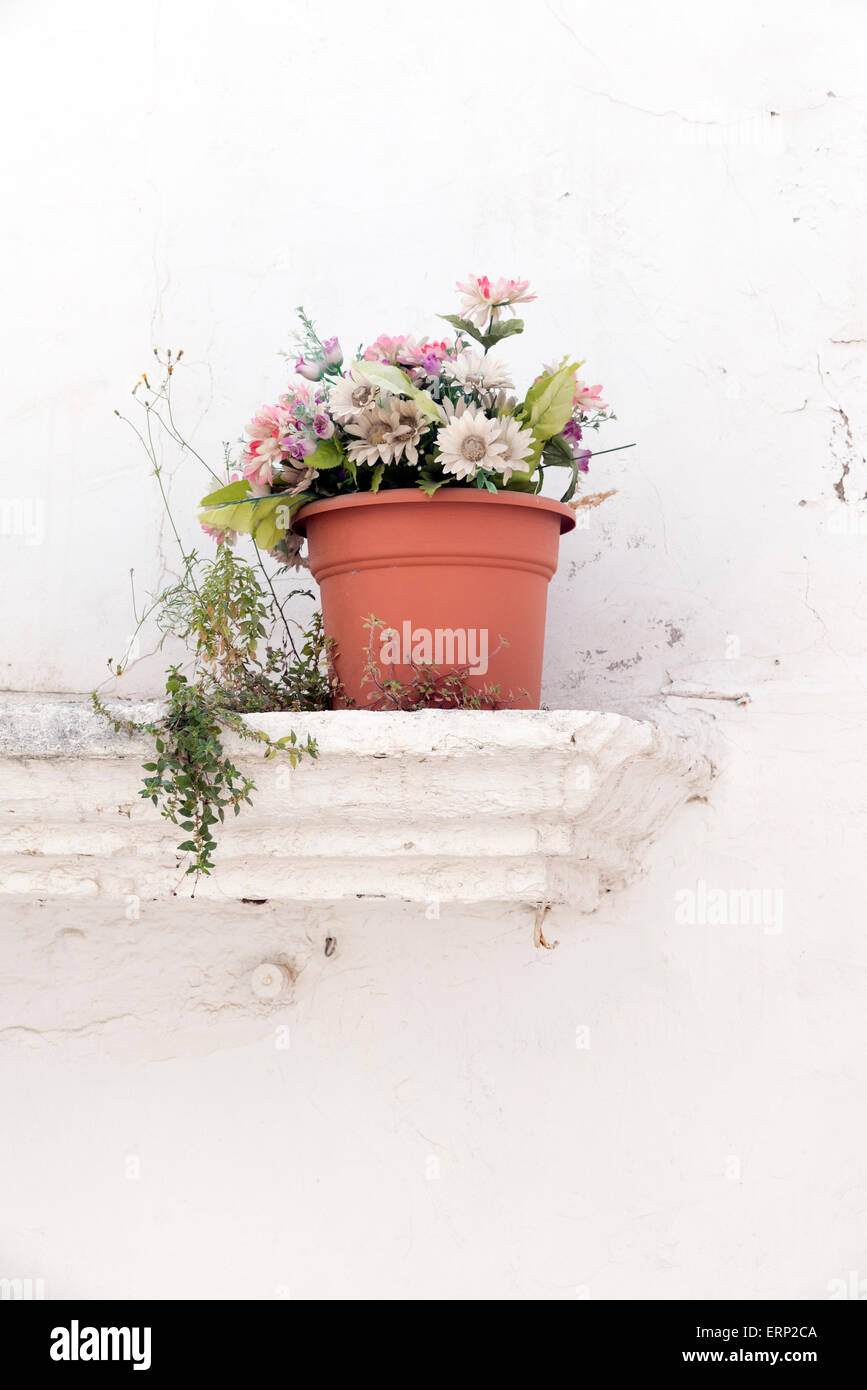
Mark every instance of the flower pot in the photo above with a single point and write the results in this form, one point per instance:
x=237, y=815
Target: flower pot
x=458, y=581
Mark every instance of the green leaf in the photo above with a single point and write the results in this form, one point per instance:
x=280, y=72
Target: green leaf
x=429, y=484
x=522, y=482
x=328, y=454
x=464, y=326
x=548, y=403
x=558, y=452
x=573, y=484
x=389, y=378
x=266, y=519
x=232, y=492
x=385, y=376
x=427, y=405
x=506, y=328
x=376, y=477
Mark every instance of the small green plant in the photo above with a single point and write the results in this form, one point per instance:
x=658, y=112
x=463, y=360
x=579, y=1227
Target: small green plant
x=246, y=656
x=430, y=686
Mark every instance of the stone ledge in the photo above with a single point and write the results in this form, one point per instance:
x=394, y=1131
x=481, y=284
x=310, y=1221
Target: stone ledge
x=435, y=807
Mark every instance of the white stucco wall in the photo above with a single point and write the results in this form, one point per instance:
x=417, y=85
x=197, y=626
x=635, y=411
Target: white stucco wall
x=684, y=191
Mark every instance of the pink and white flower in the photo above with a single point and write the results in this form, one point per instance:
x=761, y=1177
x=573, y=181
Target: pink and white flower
x=310, y=367
x=333, y=352
x=483, y=300
x=265, y=449
x=588, y=397
x=299, y=447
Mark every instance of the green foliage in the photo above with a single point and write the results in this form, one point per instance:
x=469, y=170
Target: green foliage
x=246, y=655
x=430, y=482
x=390, y=378
x=227, y=615
x=192, y=779
x=558, y=452
x=506, y=328
x=266, y=519
x=232, y=492
x=548, y=403
x=524, y=482
x=329, y=453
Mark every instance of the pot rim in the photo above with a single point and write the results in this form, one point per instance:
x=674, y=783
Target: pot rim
x=444, y=495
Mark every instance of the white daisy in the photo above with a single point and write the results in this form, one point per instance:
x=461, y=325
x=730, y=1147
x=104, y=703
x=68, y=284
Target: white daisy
x=476, y=373
x=503, y=404
x=350, y=395
x=375, y=441
x=470, y=440
x=519, y=446
x=408, y=425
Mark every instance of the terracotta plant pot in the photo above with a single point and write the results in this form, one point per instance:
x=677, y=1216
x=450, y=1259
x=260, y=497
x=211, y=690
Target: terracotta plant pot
x=458, y=580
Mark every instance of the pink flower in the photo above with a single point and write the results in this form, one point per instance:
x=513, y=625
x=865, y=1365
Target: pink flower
x=406, y=352
x=259, y=471
x=385, y=349
x=588, y=397
x=482, y=300
x=424, y=354
x=323, y=425
x=219, y=534
x=299, y=448
x=298, y=394
x=265, y=448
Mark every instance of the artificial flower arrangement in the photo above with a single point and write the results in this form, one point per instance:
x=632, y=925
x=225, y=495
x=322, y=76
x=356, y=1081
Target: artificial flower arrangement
x=407, y=413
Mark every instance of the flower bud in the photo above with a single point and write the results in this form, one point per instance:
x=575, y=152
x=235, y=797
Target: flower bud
x=333, y=352
x=311, y=368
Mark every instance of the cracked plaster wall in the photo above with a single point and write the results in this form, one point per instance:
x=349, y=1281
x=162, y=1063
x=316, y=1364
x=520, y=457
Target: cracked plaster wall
x=684, y=189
